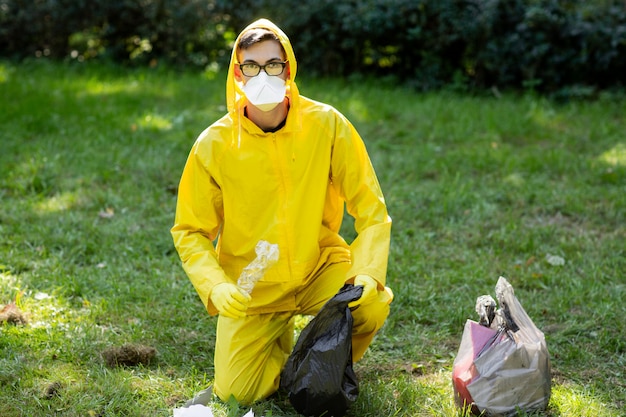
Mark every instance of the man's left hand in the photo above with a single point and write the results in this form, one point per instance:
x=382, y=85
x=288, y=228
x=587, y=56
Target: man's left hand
x=370, y=290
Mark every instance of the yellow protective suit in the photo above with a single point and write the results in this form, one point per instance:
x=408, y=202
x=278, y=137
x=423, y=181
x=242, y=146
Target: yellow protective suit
x=241, y=185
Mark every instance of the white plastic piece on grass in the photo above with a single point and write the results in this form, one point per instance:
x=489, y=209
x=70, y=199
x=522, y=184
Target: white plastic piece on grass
x=196, y=410
x=199, y=410
x=41, y=296
x=555, y=260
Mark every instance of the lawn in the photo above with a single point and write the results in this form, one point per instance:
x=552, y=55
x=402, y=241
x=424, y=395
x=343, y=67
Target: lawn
x=478, y=186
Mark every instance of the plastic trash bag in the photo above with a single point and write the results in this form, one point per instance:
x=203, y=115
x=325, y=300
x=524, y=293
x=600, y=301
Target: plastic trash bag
x=503, y=364
x=318, y=374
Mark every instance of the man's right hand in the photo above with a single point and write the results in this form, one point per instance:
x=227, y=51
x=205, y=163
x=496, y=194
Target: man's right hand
x=229, y=300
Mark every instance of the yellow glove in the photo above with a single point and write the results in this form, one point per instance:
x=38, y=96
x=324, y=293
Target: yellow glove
x=370, y=290
x=229, y=300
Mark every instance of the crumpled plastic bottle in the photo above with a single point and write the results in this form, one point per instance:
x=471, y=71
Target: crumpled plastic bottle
x=266, y=256
x=486, y=309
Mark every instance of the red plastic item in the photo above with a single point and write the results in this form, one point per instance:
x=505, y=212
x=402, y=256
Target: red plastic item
x=464, y=370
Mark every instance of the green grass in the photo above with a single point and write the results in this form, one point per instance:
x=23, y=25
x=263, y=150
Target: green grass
x=478, y=187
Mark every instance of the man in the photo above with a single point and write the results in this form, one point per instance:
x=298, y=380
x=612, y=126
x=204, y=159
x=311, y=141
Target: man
x=279, y=168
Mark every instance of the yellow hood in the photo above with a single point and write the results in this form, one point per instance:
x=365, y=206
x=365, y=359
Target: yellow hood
x=234, y=95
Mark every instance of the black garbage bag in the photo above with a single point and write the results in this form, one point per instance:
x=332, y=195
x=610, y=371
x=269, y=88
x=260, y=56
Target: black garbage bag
x=318, y=375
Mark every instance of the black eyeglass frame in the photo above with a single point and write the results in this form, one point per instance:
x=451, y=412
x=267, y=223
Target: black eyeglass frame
x=283, y=64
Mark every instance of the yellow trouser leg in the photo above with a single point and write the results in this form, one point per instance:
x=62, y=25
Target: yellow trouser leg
x=249, y=355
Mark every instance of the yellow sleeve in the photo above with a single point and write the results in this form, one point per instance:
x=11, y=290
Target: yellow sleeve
x=199, y=216
x=354, y=174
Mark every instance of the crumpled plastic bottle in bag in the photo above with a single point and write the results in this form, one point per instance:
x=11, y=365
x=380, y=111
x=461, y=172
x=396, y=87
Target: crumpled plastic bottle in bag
x=486, y=309
x=266, y=256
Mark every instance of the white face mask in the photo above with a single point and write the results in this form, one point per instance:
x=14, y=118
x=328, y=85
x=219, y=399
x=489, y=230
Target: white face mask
x=264, y=91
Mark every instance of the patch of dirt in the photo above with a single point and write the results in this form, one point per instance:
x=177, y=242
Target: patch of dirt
x=174, y=400
x=416, y=369
x=11, y=314
x=558, y=376
x=390, y=370
x=52, y=390
x=129, y=355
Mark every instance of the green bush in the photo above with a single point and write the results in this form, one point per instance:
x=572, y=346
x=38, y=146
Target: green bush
x=549, y=45
x=544, y=44
x=182, y=31
x=420, y=42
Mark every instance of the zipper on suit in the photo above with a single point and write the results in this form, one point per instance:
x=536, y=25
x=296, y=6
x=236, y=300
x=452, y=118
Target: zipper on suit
x=281, y=173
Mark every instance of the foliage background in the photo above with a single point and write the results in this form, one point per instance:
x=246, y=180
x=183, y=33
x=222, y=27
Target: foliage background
x=566, y=46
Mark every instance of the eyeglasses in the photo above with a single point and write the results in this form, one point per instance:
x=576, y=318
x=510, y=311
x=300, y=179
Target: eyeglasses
x=252, y=69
